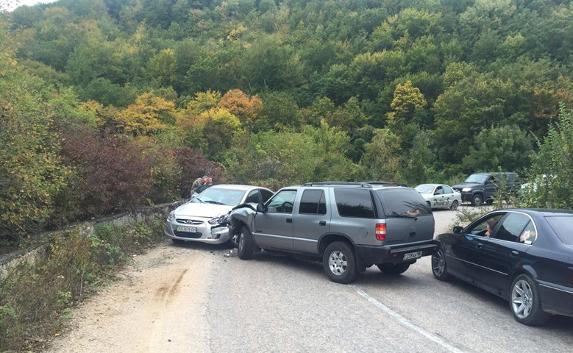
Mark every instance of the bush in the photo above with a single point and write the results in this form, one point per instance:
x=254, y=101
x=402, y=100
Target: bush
x=35, y=298
x=550, y=183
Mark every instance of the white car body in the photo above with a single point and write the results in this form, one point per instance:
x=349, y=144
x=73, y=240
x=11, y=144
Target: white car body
x=447, y=198
x=196, y=220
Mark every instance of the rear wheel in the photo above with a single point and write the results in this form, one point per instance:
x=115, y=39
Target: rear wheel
x=525, y=303
x=339, y=262
x=439, y=265
x=454, y=205
x=393, y=269
x=477, y=200
x=246, y=245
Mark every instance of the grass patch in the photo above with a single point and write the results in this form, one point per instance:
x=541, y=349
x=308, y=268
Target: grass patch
x=35, y=299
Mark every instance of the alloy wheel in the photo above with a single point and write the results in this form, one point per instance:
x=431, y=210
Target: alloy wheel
x=439, y=263
x=337, y=262
x=522, y=299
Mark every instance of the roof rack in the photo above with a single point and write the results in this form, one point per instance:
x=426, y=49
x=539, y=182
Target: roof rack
x=364, y=184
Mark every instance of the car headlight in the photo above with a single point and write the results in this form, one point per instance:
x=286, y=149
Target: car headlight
x=224, y=219
x=171, y=216
x=466, y=189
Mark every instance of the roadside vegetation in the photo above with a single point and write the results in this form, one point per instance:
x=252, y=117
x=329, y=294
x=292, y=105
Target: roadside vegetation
x=36, y=298
x=110, y=104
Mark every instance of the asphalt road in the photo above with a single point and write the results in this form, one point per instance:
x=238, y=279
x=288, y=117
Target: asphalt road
x=194, y=299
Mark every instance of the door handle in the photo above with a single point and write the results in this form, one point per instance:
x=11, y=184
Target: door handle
x=479, y=245
x=322, y=223
x=289, y=220
x=514, y=252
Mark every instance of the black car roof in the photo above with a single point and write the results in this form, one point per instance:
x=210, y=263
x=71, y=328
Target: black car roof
x=542, y=211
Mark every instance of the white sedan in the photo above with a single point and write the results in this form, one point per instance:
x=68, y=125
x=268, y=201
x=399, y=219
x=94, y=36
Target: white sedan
x=440, y=196
x=201, y=219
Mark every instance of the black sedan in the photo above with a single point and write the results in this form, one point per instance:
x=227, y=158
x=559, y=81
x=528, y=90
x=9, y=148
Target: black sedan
x=522, y=255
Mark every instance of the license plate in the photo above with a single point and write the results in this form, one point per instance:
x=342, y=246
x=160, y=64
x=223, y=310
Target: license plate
x=187, y=229
x=412, y=255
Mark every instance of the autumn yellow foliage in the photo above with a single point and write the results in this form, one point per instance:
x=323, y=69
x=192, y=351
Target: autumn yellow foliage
x=148, y=115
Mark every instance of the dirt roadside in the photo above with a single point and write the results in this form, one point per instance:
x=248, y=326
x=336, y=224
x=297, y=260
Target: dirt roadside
x=158, y=304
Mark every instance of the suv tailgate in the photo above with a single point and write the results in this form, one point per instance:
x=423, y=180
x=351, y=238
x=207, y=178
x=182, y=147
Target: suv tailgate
x=408, y=217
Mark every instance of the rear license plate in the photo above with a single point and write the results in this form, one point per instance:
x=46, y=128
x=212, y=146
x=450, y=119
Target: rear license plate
x=412, y=255
x=187, y=229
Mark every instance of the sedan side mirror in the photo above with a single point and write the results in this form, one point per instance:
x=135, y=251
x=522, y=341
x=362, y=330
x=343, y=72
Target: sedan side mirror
x=261, y=208
x=458, y=229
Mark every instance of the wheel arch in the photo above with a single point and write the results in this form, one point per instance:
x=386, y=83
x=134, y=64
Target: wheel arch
x=332, y=237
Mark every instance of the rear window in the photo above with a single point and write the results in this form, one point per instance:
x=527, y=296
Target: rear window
x=354, y=203
x=403, y=203
x=563, y=227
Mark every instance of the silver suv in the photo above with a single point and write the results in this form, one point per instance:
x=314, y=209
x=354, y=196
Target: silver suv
x=350, y=226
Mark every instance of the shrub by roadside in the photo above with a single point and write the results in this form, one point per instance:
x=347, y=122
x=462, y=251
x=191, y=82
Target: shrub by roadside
x=35, y=299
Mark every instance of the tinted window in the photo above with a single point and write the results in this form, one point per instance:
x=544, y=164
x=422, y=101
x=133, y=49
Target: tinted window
x=354, y=203
x=486, y=226
x=313, y=202
x=512, y=227
x=529, y=234
x=253, y=197
x=439, y=191
x=282, y=202
x=266, y=194
x=562, y=226
x=403, y=202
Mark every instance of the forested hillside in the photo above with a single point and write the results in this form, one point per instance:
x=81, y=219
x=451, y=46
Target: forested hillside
x=106, y=104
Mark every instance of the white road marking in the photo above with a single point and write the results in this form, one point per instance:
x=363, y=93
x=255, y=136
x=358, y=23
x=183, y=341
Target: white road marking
x=407, y=323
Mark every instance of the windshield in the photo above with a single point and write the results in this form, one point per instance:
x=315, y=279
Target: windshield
x=477, y=178
x=562, y=226
x=425, y=188
x=219, y=196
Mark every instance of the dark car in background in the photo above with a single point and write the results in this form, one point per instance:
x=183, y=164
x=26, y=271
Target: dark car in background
x=522, y=255
x=481, y=188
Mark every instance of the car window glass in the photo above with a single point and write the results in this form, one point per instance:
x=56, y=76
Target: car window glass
x=439, y=191
x=486, y=226
x=282, y=202
x=448, y=190
x=403, y=203
x=512, y=226
x=562, y=226
x=312, y=202
x=266, y=194
x=354, y=203
x=253, y=197
x=528, y=235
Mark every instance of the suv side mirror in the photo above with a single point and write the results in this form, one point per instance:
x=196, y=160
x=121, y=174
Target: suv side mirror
x=458, y=229
x=261, y=208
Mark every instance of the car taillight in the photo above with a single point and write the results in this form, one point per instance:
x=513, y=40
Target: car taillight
x=381, y=231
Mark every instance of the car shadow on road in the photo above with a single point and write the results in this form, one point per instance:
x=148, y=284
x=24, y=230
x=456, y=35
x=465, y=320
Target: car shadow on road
x=202, y=246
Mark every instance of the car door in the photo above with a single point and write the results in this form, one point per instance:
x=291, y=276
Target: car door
x=310, y=220
x=490, y=188
x=500, y=253
x=449, y=196
x=273, y=229
x=438, y=197
x=463, y=254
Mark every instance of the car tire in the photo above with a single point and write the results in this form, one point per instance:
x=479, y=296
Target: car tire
x=454, y=205
x=477, y=200
x=489, y=201
x=393, y=269
x=439, y=265
x=246, y=244
x=525, y=302
x=339, y=262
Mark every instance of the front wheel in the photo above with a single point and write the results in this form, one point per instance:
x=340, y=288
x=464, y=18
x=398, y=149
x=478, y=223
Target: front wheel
x=339, y=262
x=525, y=303
x=477, y=200
x=246, y=245
x=390, y=269
x=439, y=265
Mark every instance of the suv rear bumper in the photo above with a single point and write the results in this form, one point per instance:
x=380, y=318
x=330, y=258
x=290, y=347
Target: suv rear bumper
x=393, y=253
